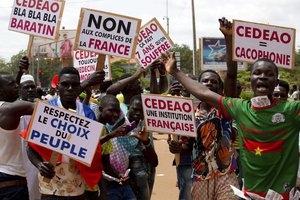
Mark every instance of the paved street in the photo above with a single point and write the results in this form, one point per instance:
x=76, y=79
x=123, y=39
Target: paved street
x=165, y=180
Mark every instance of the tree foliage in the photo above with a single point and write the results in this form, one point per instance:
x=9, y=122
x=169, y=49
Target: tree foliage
x=117, y=70
x=186, y=57
x=3, y=65
x=49, y=68
x=12, y=67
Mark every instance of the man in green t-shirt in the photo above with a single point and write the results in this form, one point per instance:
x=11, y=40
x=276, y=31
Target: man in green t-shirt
x=268, y=128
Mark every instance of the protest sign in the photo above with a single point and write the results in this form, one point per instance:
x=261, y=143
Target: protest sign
x=167, y=114
x=37, y=17
x=252, y=41
x=64, y=132
x=86, y=62
x=152, y=42
x=107, y=33
x=213, y=54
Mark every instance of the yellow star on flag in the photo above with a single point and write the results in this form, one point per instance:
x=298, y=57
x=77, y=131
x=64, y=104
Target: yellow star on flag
x=258, y=151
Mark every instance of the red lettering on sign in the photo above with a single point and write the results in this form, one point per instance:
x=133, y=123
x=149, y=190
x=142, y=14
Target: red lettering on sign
x=253, y=54
x=39, y=5
x=264, y=34
x=143, y=34
x=30, y=26
x=109, y=46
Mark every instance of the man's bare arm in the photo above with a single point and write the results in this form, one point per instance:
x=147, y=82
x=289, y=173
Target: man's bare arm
x=231, y=75
x=197, y=89
x=10, y=113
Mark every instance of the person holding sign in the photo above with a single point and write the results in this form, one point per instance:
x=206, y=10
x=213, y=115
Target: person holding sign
x=213, y=169
x=109, y=112
x=268, y=128
x=68, y=177
x=117, y=163
x=13, y=183
x=184, y=149
x=143, y=159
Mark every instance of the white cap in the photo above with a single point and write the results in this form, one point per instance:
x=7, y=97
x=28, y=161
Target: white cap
x=276, y=89
x=26, y=77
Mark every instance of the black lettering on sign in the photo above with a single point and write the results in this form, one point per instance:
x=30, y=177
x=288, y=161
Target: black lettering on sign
x=109, y=24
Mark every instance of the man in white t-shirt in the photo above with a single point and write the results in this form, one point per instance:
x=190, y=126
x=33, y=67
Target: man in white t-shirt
x=13, y=185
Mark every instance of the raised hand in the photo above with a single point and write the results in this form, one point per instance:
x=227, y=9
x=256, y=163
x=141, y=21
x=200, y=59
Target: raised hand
x=141, y=134
x=96, y=78
x=158, y=64
x=175, y=89
x=225, y=27
x=170, y=64
x=139, y=72
x=24, y=64
x=120, y=131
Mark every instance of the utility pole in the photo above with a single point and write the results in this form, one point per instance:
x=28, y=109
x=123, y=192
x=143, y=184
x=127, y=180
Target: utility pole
x=194, y=40
x=167, y=18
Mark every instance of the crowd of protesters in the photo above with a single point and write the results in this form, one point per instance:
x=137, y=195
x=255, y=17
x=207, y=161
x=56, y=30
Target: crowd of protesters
x=250, y=144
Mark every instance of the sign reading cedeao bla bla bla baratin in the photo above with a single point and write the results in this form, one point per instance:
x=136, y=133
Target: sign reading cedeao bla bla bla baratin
x=171, y=115
x=37, y=17
x=64, y=132
x=152, y=42
x=252, y=41
x=107, y=33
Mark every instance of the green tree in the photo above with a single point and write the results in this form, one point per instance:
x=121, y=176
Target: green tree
x=48, y=68
x=3, y=65
x=186, y=57
x=13, y=65
x=117, y=70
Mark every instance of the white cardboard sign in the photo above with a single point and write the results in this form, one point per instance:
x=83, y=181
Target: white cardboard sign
x=64, y=132
x=86, y=63
x=152, y=42
x=171, y=115
x=252, y=41
x=107, y=33
x=37, y=17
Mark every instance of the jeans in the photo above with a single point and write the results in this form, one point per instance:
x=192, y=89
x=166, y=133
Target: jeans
x=116, y=191
x=184, y=178
x=142, y=177
x=17, y=192
x=92, y=195
x=240, y=174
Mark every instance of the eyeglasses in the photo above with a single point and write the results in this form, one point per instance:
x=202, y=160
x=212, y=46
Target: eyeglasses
x=68, y=85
